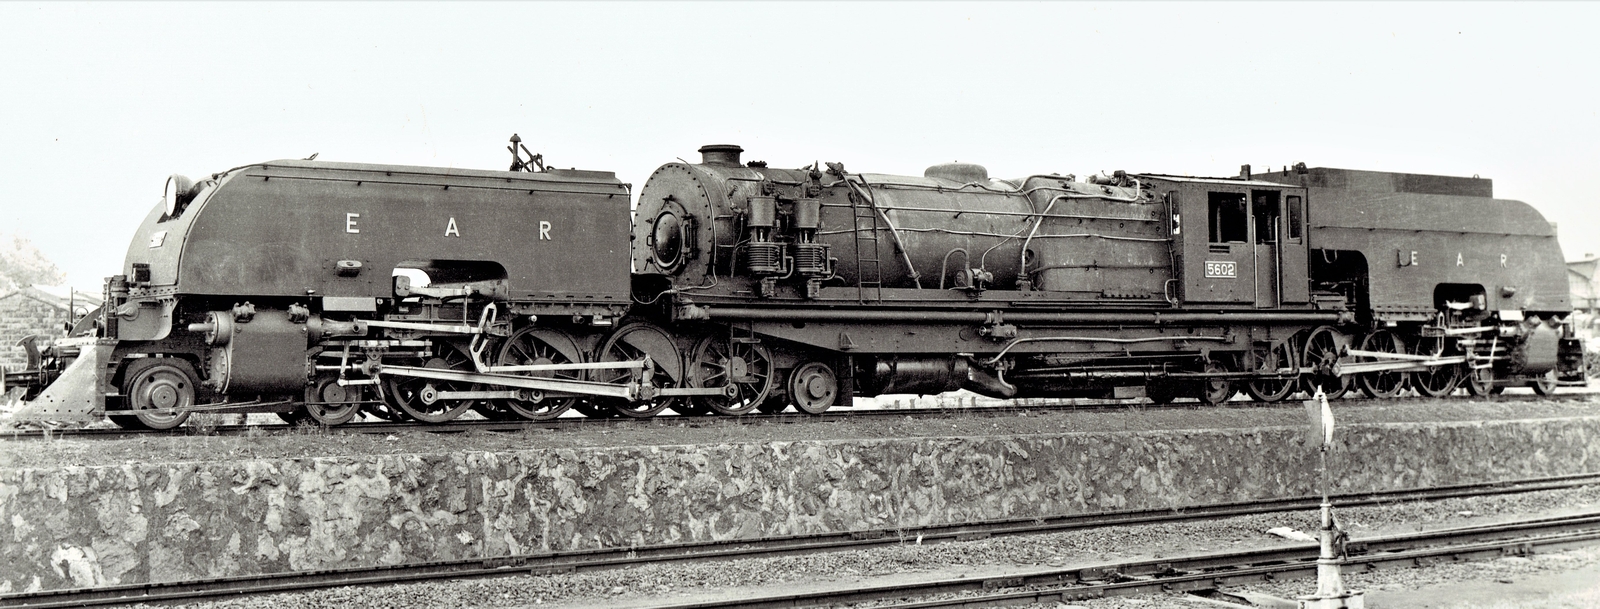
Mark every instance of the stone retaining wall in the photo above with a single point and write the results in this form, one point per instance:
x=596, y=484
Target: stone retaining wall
x=86, y=526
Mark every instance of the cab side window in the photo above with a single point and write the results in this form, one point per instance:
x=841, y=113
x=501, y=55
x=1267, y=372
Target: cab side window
x=1266, y=213
x=1228, y=218
x=1295, y=207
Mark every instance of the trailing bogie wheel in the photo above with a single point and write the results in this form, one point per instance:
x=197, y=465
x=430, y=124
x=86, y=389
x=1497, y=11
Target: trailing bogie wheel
x=1320, y=353
x=1277, y=358
x=1382, y=384
x=1216, y=391
x=1545, y=385
x=632, y=342
x=335, y=404
x=420, y=397
x=532, y=346
x=813, y=387
x=717, y=362
x=1437, y=381
x=157, y=384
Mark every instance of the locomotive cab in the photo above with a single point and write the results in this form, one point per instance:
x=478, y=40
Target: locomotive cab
x=1245, y=242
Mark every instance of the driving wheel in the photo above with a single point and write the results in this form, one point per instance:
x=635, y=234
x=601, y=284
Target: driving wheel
x=1436, y=381
x=1381, y=384
x=718, y=363
x=1545, y=385
x=633, y=342
x=1320, y=354
x=421, y=399
x=1271, y=361
x=539, y=346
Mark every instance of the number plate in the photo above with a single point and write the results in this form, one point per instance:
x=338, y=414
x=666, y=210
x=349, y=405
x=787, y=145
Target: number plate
x=1222, y=268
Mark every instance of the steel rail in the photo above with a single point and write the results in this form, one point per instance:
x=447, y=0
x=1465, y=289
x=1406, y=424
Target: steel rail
x=588, y=560
x=1200, y=572
x=571, y=423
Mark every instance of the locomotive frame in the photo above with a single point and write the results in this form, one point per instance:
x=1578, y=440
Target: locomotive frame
x=295, y=287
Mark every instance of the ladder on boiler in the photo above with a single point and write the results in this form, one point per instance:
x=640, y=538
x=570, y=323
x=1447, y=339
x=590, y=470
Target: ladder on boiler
x=866, y=237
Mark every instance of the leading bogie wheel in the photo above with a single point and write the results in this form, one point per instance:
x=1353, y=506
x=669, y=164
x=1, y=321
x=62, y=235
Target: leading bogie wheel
x=421, y=399
x=1382, y=384
x=336, y=404
x=718, y=363
x=633, y=342
x=539, y=346
x=1321, y=352
x=813, y=387
x=162, y=385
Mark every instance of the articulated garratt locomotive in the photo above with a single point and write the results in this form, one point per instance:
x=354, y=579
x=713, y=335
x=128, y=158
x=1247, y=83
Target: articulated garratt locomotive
x=322, y=290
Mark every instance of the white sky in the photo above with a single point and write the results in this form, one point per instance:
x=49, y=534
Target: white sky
x=100, y=102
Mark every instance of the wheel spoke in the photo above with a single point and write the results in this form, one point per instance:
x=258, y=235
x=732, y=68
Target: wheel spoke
x=712, y=365
x=632, y=342
x=1273, y=359
x=1321, y=352
x=408, y=393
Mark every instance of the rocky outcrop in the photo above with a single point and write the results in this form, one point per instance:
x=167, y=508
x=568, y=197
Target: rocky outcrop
x=78, y=526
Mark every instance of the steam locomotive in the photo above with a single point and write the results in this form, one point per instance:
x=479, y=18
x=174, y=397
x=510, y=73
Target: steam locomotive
x=323, y=290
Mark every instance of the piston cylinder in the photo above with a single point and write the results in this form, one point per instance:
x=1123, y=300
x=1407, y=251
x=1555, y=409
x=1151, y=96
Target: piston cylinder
x=266, y=354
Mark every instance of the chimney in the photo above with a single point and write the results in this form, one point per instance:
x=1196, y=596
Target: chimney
x=720, y=154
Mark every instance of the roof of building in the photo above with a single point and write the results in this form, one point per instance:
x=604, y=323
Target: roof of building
x=60, y=301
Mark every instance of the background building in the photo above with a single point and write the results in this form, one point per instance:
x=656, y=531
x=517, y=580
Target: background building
x=30, y=310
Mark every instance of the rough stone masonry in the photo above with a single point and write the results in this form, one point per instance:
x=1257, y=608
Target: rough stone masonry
x=149, y=522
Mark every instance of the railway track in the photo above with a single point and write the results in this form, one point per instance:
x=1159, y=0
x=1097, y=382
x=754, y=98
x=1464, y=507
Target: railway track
x=567, y=423
x=567, y=562
x=1200, y=572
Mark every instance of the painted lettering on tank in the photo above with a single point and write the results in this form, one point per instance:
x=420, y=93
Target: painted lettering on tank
x=544, y=230
x=1459, y=260
x=451, y=230
x=1502, y=261
x=350, y=223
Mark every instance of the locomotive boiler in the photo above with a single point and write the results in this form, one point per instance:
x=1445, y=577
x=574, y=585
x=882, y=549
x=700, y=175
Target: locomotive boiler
x=819, y=283
x=324, y=290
